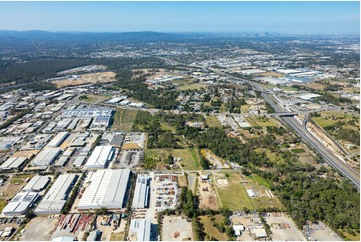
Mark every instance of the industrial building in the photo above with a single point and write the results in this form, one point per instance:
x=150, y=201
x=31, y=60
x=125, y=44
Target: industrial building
x=108, y=188
x=251, y=193
x=55, y=199
x=58, y=139
x=37, y=184
x=141, y=192
x=20, y=204
x=100, y=157
x=46, y=157
x=13, y=163
x=140, y=230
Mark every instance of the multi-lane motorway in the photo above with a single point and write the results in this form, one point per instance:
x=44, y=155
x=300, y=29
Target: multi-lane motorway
x=310, y=139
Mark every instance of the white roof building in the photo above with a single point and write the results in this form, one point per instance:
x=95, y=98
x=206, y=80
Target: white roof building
x=141, y=192
x=107, y=189
x=100, y=157
x=140, y=230
x=58, y=139
x=36, y=184
x=251, y=193
x=13, y=163
x=55, y=199
x=20, y=204
x=46, y=157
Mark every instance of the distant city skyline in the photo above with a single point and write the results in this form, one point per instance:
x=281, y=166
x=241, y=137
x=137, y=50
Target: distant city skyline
x=281, y=17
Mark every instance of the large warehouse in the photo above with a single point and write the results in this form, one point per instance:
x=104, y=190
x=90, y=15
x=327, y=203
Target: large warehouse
x=100, y=157
x=37, y=183
x=140, y=230
x=58, y=139
x=20, y=204
x=46, y=157
x=55, y=199
x=13, y=163
x=141, y=192
x=108, y=188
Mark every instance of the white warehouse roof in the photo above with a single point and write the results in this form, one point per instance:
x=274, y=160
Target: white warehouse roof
x=58, y=139
x=20, y=204
x=141, y=192
x=140, y=229
x=46, y=157
x=108, y=189
x=55, y=199
x=100, y=157
x=13, y=163
x=36, y=184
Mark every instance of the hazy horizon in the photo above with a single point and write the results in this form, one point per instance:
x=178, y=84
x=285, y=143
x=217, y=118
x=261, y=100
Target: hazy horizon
x=332, y=18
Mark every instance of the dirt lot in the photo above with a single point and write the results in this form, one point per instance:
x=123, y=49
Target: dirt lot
x=176, y=229
x=13, y=185
x=247, y=220
x=283, y=228
x=207, y=195
x=100, y=77
x=40, y=229
x=321, y=232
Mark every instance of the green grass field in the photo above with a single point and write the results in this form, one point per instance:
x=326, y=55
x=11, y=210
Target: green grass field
x=212, y=121
x=2, y=204
x=166, y=126
x=261, y=121
x=350, y=237
x=190, y=158
x=212, y=231
x=260, y=181
x=237, y=192
x=191, y=86
x=92, y=98
x=124, y=119
x=297, y=151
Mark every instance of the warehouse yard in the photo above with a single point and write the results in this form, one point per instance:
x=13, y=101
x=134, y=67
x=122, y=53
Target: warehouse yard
x=176, y=229
x=283, y=228
x=39, y=229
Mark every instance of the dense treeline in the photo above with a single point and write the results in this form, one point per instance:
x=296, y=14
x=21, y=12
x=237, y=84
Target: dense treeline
x=47, y=68
x=305, y=195
x=161, y=99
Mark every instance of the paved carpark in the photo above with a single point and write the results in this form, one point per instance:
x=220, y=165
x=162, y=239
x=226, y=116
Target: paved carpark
x=130, y=159
x=283, y=228
x=39, y=229
x=176, y=228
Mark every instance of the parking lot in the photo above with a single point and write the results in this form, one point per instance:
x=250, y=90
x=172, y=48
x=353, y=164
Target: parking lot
x=129, y=159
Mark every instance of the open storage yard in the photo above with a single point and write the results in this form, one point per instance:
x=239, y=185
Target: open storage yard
x=283, y=228
x=40, y=228
x=176, y=228
x=207, y=195
x=100, y=77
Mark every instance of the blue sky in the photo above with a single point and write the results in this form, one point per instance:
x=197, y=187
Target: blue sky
x=290, y=17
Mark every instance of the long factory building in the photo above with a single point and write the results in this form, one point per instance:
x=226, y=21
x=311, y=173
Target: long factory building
x=108, y=188
x=141, y=192
x=55, y=199
x=100, y=157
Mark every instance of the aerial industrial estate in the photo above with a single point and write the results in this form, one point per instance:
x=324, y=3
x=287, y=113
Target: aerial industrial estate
x=150, y=137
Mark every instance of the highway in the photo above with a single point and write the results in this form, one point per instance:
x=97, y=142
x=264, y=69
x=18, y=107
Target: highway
x=301, y=131
x=308, y=138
